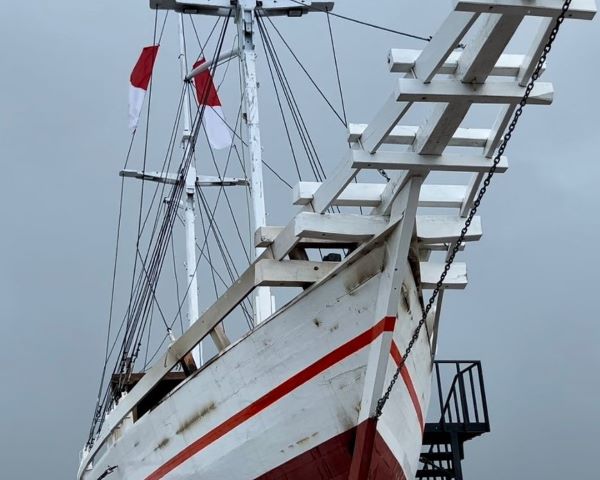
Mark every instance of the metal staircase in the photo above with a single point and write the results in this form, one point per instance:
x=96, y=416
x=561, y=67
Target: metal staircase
x=463, y=415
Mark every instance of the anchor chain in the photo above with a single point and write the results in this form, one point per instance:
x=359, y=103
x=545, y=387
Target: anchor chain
x=486, y=183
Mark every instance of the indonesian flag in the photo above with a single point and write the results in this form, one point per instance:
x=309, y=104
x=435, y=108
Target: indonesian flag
x=140, y=79
x=217, y=131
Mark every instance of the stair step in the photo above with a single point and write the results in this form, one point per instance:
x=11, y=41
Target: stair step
x=437, y=473
x=437, y=455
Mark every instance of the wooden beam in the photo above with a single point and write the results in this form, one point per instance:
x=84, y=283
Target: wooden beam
x=432, y=229
x=444, y=91
x=338, y=226
x=383, y=123
x=264, y=237
x=425, y=163
x=442, y=44
x=329, y=227
x=579, y=9
x=456, y=278
x=369, y=195
x=402, y=60
x=334, y=185
x=405, y=135
x=291, y=273
x=529, y=63
x=482, y=53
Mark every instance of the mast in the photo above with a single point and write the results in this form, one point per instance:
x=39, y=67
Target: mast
x=245, y=21
x=190, y=190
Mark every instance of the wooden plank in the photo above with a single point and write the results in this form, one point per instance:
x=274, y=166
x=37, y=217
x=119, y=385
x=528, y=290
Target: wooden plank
x=425, y=163
x=265, y=236
x=579, y=9
x=442, y=44
x=334, y=185
x=383, y=123
x=444, y=91
x=531, y=60
x=332, y=227
x=291, y=273
x=440, y=126
x=474, y=66
x=433, y=229
x=444, y=196
x=456, y=278
x=402, y=60
x=354, y=195
x=369, y=195
x=497, y=133
x=338, y=226
x=482, y=53
x=405, y=135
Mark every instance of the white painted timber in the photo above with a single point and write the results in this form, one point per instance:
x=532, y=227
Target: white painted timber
x=402, y=60
x=354, y=195
x=446, y=228
x=535, y=52
x=442, y=44
x=482, y=52
x=416, y=162
x=291, y=273
x=383, y=123
x=443, y=91
x=456, y=278
x=405, y=135
x=474, y=66
x=339, y=226
x=334, y=185
x=268, y=274
x=579, y=9
x=369, y=195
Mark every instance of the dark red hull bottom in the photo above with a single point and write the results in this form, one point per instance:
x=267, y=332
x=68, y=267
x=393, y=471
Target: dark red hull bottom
x=332, y=460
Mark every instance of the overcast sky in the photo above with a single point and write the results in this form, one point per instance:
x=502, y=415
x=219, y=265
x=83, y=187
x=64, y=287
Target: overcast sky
x=529, y=312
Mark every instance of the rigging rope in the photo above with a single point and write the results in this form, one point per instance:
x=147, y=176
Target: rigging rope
x=337, y=69
x=142, y=297
x=486, y=183
x=362, y=22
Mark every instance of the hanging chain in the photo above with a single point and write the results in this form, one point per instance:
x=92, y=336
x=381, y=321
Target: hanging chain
x=486, y=183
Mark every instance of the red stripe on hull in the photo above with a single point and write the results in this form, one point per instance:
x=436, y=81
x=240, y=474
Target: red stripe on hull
x=385, y=325
x=331, y=461
x=397, y=356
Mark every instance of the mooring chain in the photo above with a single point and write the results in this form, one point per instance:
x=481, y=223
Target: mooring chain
x=486, y=183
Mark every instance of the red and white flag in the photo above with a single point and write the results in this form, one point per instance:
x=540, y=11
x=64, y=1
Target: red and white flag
x=219, y=134
x=140, y=79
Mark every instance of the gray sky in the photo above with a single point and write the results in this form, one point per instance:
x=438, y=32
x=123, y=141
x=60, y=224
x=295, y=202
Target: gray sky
x=528, y=313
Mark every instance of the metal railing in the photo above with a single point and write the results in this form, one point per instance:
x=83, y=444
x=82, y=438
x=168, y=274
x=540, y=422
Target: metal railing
x=463, y=401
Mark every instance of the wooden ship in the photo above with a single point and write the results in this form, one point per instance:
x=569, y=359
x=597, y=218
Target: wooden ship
x=305, y=393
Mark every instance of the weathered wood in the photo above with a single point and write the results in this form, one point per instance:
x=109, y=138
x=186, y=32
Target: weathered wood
x=444, y=91
x=579, y=9
x=264, y=237
x=291, y=273
x=346, y=227
x=402, y=60
x=416, y=162
x=456, y=278
x=446, y=228
x=369, y=195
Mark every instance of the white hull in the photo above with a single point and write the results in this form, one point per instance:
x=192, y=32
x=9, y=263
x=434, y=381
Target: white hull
x=290, y=385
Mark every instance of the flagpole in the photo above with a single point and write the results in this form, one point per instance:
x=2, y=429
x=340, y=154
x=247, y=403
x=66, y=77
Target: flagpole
x=246, y=23
x=190, y=190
